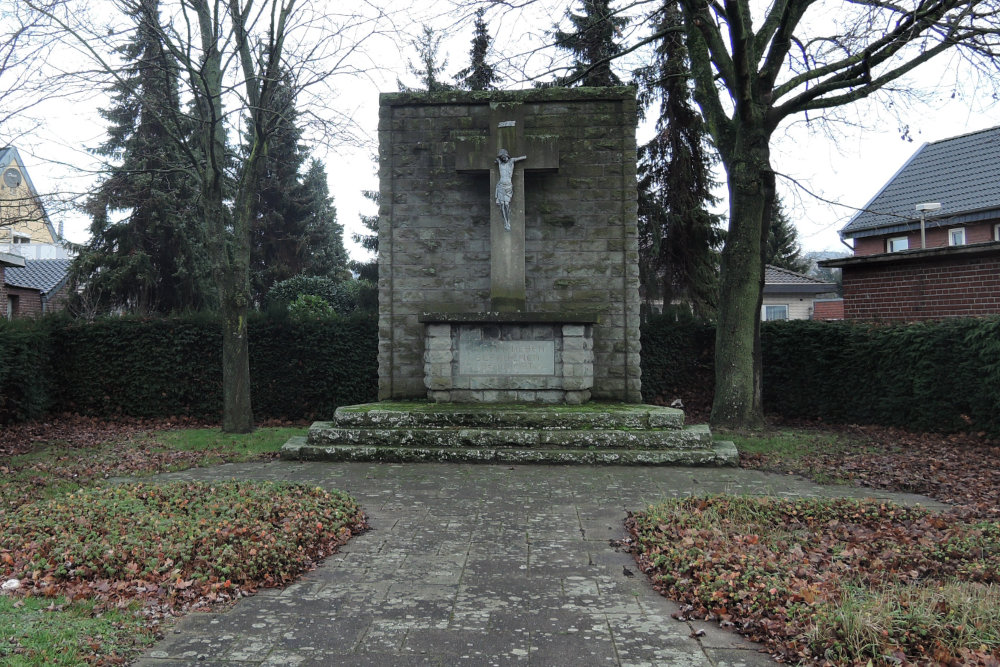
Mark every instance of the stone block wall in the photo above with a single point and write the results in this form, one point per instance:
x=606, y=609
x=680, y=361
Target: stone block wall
x=508, y=362
x=581, y=249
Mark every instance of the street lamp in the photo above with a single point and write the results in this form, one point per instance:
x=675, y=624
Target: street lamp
x=923, y=208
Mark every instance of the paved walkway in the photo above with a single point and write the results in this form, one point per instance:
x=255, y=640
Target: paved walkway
x=478, y=565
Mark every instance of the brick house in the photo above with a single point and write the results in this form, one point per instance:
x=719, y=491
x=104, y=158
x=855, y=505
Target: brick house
x=943, y=262
x=7, y=261
x=39, y=287
x=792, y=296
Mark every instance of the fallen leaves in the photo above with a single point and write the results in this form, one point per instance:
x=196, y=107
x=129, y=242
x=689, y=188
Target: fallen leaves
x=168, y=548
x=778, y=570
x=960, y=469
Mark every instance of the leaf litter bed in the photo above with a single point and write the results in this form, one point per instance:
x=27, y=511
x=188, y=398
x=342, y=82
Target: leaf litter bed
x=960, y=469
x=144, y=550
x=845, y=582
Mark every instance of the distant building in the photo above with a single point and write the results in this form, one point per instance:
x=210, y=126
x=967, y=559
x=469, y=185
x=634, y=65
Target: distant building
x=38, y=287
x=791, y=296
x=25, y=227
x=947, y=265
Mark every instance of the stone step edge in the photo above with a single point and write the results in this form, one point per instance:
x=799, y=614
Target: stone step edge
x=690, y=437
x=720, y=453
x=548, y=417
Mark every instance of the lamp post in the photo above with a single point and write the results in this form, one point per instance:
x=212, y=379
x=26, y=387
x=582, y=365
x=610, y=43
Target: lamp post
x=923, y=208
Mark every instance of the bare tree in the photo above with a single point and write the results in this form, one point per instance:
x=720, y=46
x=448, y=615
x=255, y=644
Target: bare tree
x=753, y=71
x=231, y=54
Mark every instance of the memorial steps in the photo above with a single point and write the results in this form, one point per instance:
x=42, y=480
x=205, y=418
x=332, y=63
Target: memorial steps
x=594, y=433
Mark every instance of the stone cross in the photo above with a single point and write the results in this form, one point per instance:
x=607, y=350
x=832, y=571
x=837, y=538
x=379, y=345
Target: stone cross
x=541, y=153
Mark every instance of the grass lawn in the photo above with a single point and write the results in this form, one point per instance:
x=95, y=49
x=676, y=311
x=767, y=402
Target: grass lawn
x=98, y=565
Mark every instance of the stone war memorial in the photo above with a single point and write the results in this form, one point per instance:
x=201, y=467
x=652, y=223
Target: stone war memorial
x=509, y=289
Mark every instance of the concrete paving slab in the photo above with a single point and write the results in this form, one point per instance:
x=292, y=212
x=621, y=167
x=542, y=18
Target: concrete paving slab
x=479, y=565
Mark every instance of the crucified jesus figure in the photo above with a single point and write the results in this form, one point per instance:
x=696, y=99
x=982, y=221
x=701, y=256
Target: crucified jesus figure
x=505, y=189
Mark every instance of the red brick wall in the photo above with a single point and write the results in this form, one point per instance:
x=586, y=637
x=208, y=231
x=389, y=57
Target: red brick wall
x=828, y=310
x=57, y=300
x=932, y=289
x=937, y=237
x=29, y=301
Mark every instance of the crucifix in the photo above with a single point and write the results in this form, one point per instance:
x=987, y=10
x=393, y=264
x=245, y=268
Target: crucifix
x=506, y=154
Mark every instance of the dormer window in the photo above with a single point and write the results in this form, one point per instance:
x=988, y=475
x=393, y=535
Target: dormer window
x=896, y=244
x=956, y=236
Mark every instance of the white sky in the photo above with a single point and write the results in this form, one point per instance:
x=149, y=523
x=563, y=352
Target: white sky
x=846, y=163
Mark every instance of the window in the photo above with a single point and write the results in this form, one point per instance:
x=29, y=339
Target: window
x=772, y=313
x=996, y=232
x=21, y=238
x=896, y=244
x=956, y=236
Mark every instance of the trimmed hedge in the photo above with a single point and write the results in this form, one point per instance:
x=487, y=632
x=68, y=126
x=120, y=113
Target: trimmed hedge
x=932, y=376
x=25, y=373
x=173, y=366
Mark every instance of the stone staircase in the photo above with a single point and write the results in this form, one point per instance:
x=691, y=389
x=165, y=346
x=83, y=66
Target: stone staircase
x=593, y=433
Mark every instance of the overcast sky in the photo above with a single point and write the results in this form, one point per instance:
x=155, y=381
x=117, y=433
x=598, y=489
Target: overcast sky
x=838, y=167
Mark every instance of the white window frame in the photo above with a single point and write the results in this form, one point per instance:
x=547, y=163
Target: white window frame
x=19, y=237
x=890, y=243
x=996, y=232
x=956, y=231
x=763, y=312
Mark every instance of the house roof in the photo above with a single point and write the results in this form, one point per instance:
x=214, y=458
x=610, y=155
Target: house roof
x=7, y=259
x=778, y=280
x=962, y=173
x=44, y=275
x=8, y=156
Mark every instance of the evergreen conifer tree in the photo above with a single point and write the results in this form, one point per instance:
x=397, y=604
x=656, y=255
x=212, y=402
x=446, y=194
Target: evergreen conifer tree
x=154, y=259
x=677, y=234
x=783, y=249
x=326, y=255
x=368, y=270
x=479, y=75
x=592, y=43
x=429, y=71
x=294, y=226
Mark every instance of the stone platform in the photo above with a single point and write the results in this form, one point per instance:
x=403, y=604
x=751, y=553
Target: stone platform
x=594, y=433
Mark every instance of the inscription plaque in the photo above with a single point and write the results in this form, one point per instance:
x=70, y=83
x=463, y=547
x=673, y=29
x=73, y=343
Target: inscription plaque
x=507, y=357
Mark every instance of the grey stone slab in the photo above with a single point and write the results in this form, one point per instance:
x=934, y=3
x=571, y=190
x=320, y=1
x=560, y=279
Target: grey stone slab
x=492, y=556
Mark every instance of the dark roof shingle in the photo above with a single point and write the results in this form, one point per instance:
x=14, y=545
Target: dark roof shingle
x=43, y=275
x=962, y=173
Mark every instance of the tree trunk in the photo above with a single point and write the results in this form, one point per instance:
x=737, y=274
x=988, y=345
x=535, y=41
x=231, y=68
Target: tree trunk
x=237, y=415
x=737, y=402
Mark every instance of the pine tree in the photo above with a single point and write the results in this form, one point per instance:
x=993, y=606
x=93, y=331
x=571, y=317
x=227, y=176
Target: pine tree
x=677, y=234
x=294, y=226
x=326, y=255
x=429, y=72
x=592, y=43
x=479, y=75
x=368, y=270
x=153, y=260
x=783, y=249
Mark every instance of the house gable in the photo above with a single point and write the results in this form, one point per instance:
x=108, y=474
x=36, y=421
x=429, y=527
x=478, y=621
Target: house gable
x=22, y=216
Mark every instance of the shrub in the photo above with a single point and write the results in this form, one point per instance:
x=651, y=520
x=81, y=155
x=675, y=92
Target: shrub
x=345, y=297
x=309, y=307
